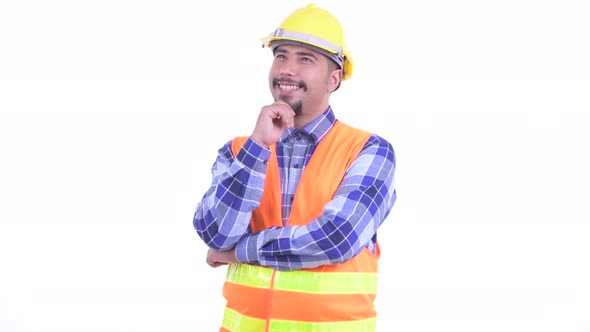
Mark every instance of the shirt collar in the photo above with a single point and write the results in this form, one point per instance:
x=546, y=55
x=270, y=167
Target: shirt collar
x=317, y=129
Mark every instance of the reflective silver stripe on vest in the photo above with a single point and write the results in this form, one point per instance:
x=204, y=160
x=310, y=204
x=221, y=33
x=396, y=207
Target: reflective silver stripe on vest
x=236, y=322
x=303, y=281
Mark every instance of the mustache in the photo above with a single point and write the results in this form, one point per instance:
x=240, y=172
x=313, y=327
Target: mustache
x=302, y=84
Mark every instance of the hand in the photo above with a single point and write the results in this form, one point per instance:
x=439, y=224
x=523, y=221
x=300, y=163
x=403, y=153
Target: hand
x=216, y=258
x=272, y=120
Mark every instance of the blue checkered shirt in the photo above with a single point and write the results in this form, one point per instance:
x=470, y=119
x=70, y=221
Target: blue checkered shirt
x=349, y=222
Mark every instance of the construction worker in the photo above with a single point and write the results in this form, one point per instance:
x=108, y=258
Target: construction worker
x=293, y=209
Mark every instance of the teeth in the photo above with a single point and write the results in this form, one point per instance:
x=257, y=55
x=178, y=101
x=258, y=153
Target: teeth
x=289, y=87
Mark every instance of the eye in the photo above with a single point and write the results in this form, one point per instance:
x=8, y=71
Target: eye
x=306, y=59
x=280, y=56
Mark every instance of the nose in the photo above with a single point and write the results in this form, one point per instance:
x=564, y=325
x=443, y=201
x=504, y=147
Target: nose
x=287, y=68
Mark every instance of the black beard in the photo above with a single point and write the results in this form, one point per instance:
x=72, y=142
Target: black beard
x=297, y=106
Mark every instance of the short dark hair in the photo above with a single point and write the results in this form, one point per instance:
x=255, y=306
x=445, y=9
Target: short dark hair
x=332, y=65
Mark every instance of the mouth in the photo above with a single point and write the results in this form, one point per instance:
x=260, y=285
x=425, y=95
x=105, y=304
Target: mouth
x=288, y=86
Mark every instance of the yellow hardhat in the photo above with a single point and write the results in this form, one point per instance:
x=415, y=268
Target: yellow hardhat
x=317, y=27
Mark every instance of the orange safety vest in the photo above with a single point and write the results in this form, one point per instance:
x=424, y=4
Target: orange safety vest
x=329, y=298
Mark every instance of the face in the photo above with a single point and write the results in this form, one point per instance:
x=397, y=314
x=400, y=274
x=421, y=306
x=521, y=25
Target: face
x=303, y=78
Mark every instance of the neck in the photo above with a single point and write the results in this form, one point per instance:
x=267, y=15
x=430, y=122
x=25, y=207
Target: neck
x=308, y=115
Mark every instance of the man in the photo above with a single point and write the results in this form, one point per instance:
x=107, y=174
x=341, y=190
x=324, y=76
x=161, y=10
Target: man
x=295, y=207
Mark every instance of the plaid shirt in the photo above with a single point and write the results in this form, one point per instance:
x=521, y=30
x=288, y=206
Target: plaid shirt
x=349, y=222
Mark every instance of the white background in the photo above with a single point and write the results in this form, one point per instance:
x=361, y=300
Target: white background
x=111, y=114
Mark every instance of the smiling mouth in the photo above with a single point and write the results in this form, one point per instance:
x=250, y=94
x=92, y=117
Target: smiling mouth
x=288, y=85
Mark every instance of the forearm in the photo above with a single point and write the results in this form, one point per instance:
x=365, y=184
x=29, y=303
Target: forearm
x=335, y=237
x=296, y=247
x=223, y=215
x=348, y=224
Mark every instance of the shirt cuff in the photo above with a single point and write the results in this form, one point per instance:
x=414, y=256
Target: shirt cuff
x=254, y=156
x=247, y=249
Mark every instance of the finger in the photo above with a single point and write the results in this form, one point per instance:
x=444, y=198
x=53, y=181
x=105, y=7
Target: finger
x=218, y=264
x=288, y=118
x=278, y=114
x=282, y=116
x=284, y=106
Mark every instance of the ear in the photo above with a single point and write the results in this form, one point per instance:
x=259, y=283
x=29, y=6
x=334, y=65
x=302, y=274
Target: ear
x=334, y=80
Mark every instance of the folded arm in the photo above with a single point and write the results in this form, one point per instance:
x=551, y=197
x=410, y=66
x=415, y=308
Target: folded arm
x=223, y=215
x=348, y=224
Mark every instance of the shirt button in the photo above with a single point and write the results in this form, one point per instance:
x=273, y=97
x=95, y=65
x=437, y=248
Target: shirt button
x=264, y=161
x=296, y=165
